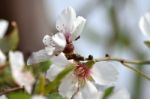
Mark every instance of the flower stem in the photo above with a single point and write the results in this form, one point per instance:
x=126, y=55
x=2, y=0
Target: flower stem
x=123, y=60
x=137, y=71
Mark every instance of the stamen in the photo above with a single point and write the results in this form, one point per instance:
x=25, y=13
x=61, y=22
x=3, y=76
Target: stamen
x=82, y=71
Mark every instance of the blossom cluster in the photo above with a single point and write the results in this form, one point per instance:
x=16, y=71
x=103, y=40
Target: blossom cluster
x=71, y=75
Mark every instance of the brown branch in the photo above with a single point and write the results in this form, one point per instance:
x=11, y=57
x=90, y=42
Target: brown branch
x=11, y=90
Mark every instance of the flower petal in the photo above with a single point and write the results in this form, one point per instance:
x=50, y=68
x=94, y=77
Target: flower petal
x=80, y=23
x=24, y=79
x=60, y=60
x=16, y=60
x=3, y=27
x=120, y=94
x=3, y=97
x=38, y=97
x=89, y=91
x=53, y=71
x=39, y=56
x=47, y=40
x=104, y=73
x=59, y=40
x=78, y=96
x=68, y=86
x=65, y=22
x=2, y=58
x=59, y=63
x=144, y=24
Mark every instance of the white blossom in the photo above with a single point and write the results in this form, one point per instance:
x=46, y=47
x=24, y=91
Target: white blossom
x=22, y=78
x=69, y=28
x=102, y=73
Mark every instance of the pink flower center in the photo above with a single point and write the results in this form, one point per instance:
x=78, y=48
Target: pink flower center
x=82, y=71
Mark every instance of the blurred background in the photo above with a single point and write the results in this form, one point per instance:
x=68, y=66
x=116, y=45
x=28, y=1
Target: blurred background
x=112, y=27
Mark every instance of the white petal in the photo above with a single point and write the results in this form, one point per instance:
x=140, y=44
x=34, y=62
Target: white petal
x=60, y=60
x=68, y=86
x=16, y=60
x=38, y=97
x=3, y=28
x=144, y=24
x=104, y=73
x=78, y=96
x=80, y=23
x=47, y=40
x=24, y=79
x=50, y=50
x=2, y=58
x=53, y=71
x=59, y=40
x=120, y=94
x=39, y=56
x=89, y=91
x=3, y=97
x=65, y=22
x=59, y=63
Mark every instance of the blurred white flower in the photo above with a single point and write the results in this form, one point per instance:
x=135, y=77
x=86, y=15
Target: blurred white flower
x=3, y=27
x=102, y=73
x=118, y=94
x=21, y=77
x=3, y=97
x=69, y=27
x=38, y=97
x=144, y=24
x=2, y=58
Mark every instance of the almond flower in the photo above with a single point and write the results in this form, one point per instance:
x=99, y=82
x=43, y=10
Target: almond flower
x=144, y=24
x=69, y=28
x=21, y=77
x=78, y=84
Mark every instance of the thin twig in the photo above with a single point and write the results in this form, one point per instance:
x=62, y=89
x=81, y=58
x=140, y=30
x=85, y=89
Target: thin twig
x=123, y=60
x=137, y=71
x=11, y=90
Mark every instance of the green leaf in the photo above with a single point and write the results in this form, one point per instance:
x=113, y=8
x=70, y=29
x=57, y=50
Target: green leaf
x=147, y=43
x=19, y=95
x=55, y=96
x=52, y=86
x=42, y=67
x=108, y=92
x=11, y=41
x=40, y=86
